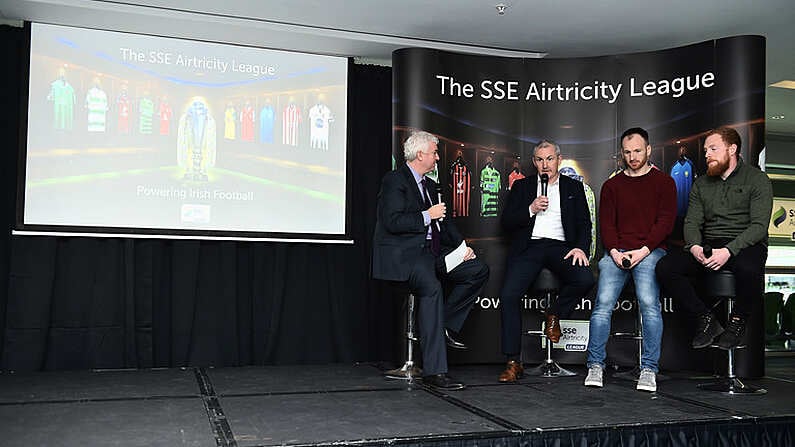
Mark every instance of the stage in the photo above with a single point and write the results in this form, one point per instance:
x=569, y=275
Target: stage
x=354, y=404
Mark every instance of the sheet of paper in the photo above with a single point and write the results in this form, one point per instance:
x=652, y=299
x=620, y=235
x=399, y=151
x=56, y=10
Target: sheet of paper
x=455, y=257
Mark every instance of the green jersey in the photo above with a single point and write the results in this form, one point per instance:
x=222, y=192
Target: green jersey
x=63, y=97
x=146, y=109
x=490, y=188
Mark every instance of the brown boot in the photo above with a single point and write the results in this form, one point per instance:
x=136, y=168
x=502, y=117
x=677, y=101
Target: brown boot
x=552, y=328
x=513, y=372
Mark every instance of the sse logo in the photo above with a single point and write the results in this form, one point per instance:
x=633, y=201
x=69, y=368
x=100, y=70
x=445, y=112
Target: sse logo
x=779, y=216
x=569, y=330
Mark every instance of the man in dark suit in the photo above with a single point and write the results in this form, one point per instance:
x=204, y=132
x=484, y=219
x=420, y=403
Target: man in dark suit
x=411, y=236
x=551, y=230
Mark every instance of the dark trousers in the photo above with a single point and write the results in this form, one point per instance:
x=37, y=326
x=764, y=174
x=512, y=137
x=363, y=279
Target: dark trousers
x=679, y=274
x=521, y=271
x=437, y=313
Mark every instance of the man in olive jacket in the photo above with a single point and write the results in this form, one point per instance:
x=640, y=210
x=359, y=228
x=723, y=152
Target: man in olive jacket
x=728, y=213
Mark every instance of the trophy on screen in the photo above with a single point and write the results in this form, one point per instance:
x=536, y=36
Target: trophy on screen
x=196, y=141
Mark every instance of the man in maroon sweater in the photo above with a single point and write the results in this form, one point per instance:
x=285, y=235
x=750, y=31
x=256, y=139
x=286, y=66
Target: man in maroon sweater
x=637, y=209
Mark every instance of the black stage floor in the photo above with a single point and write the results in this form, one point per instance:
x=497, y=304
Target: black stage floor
x=353, y=404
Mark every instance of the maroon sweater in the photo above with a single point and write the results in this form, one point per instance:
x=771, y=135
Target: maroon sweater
x=637, y=211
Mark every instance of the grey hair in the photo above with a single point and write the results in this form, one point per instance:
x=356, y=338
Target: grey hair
x=547, y=143
x=417, y=142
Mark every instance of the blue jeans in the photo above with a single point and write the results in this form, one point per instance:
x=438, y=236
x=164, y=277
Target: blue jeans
x=611, y=283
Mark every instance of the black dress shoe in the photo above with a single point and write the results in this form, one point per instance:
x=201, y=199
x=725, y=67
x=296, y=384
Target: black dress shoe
x=443, y=382
x=452, y=342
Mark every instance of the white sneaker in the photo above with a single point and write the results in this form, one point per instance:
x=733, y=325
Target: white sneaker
x=594, y=378
x=647, y=380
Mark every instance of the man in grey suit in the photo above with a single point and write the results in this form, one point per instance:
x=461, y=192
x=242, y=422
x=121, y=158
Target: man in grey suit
x=411, y=237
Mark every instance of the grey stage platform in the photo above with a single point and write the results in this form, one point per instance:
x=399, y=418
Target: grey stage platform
x=353, y=404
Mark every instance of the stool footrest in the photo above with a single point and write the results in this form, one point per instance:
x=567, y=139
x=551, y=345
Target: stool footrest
x=549, y=369
x=713, y=345
x=733, y=386
x=627, y=335
x=406, y=372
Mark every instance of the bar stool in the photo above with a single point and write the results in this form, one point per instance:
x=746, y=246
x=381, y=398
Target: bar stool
x=408, y=371
x=721, y=284
x=548, y=283
x=636, y=334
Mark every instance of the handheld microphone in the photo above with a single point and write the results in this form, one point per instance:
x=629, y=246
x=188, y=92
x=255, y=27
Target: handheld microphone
x=707, y=251
x=544, y=184
x=626, y=262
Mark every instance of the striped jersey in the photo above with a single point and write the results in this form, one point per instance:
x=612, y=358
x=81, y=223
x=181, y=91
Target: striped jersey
x=97, y=106
x=460, y=177
x=291, y=118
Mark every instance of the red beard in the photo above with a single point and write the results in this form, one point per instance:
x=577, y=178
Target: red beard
x=718, y=168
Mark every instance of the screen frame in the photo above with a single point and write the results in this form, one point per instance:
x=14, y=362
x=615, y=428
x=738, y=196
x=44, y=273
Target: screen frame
x=23, y=229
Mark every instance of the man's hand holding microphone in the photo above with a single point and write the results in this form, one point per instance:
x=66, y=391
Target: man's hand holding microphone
x=541, y=203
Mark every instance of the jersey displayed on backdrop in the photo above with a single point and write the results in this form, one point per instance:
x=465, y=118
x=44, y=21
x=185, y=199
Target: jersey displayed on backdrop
x=319, y=118
x=266, y=117
x=247, y=118
x=590, y=199
x=97, y=106
x=682, y=172
x=62, y=96
x=230, y=123
x=461, y=178
x=489, y=189
x=291, y=119
x=165, y=114
x=147, y=110
x=513, y=176
x=123, y=108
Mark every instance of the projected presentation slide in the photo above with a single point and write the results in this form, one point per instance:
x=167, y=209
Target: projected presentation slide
x=132, y=131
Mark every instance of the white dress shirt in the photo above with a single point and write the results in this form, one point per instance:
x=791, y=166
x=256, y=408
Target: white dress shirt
x=549, y=224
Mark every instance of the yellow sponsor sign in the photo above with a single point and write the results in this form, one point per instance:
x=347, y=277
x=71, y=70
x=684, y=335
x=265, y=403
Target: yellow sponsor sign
x=782, y=220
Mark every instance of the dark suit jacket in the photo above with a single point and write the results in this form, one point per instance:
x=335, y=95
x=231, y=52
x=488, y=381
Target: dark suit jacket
x=400, y=233
x=573, y=212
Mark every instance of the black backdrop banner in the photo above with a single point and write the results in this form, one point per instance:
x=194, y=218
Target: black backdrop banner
x=79, y=303
x=489, y=112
